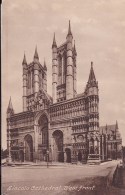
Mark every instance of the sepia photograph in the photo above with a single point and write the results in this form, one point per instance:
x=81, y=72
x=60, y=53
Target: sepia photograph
x=63, y=97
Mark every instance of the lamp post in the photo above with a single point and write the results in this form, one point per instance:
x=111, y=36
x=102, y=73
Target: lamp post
x=47, y=157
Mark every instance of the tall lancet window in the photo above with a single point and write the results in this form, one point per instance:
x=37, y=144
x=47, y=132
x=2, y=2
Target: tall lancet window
x=29, y=80
x=60, y=70
x=32, y=78
x=40, y=79
x=64, y=68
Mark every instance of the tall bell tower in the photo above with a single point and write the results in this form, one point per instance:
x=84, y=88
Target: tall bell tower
x=34, y=82
x=64, y=69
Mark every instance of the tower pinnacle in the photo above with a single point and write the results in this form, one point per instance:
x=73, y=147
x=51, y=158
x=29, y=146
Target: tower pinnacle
x=69, y=30
x=92, y=74
x=24, y=59
x=106, y=128
x=36, y=54
x=91, y=64
x=116, y=125
x=10, y=107
x=92, y=79
x=54, y=42
x=45, y=67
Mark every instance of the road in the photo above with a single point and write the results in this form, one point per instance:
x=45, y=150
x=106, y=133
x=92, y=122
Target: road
x=40, y=180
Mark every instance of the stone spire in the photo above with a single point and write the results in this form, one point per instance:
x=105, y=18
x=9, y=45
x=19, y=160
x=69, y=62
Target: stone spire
x=10, y=107
x=92, y=74
x=36, y=57
x=69, y=29
x=54, y=42
x=116, y=127
x=24, y=60
x=106, y=128
x=45, y=67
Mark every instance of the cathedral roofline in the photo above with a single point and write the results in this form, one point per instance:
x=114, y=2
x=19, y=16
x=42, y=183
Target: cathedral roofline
x=32, y=63
x=22, y=113
x=107, y=128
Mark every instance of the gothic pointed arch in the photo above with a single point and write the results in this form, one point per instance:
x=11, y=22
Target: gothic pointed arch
x=39, y=114
x=59, y=69
x=42, y=121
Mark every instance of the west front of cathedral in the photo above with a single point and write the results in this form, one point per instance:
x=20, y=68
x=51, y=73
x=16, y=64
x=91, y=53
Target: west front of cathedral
x=64, y=127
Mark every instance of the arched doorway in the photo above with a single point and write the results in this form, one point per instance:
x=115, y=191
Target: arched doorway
x=58, y=154
x=79, y=156
x=28, y=148
x=43, y=140
x=68, y=155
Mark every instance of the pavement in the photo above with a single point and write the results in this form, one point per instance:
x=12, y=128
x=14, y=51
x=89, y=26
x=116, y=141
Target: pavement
x=50, y=164
x=31, y=179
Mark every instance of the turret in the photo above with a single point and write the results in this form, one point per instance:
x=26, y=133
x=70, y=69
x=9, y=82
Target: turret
x=54, y=69
x=24, y=64
x=10, y=110
x=93, y=101
x=69, y=73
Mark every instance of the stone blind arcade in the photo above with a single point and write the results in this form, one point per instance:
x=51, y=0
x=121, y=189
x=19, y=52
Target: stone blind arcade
x=64, y=127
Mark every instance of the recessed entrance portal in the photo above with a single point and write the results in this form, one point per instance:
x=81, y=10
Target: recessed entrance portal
x=43, y=138
x=58, y=154
x=28, y=141
x=68, y=155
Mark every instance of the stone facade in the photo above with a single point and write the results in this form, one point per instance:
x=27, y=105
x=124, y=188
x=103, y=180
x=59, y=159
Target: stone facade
x=64, y=127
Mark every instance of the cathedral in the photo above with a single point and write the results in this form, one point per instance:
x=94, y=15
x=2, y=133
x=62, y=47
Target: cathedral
x=64, y=127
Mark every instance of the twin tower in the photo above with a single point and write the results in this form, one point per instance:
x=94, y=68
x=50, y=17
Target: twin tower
x=63, y=74
x=64, y=69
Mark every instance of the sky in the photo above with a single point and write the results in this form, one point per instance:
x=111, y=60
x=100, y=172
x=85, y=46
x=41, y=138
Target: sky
x=98, y=29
